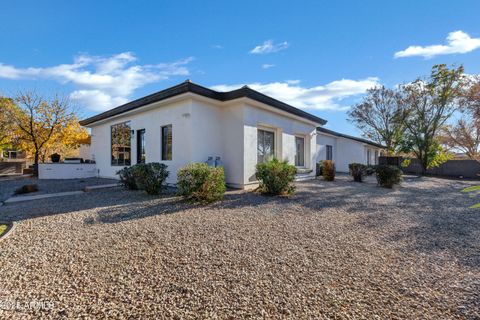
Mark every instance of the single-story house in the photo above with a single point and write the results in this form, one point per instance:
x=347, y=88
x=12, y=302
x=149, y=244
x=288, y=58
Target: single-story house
x=191, y=123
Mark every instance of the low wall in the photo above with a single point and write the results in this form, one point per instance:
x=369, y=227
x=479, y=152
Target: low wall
x=451, y=168
x=12, y=167
x=66, y=170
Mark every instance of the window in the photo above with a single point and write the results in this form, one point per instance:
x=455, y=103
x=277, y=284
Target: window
x=376, y=156
x=368, y=156
x=299, y=151
x=329, y=153
x=167, y=142
x=265, y=145
x=141, y=146
x=120, y=142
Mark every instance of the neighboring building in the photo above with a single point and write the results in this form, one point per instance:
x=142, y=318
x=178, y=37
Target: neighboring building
x=190, y=123
x=12, y=155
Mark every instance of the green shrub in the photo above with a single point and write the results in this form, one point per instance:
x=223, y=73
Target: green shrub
x=328, y=170
x=144, y=176
x=388, y=176
x=151, y=176
x=201, y=183
x=319, y=168
x=357, y=171
x=127, y=178
x=276, y=177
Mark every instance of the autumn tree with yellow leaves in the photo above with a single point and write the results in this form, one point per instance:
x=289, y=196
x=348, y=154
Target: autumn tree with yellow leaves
x=42, y=125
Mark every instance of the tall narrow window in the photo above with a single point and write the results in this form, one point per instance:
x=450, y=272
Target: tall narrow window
x=329, y=153
x=141, y=146
x=265, y=145
x=121, y=144
x=376, y=156
x=368, y=157
x=299, y=151
x=167, y=142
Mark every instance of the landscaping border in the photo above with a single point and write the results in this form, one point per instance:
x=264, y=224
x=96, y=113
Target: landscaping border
x=10, y=227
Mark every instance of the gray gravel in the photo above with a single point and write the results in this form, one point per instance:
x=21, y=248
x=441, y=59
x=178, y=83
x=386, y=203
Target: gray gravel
x=334, y=250
x=8, y=185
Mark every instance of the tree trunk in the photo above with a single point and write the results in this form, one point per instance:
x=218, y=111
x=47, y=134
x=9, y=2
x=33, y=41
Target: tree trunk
x=35, y=164
x=424, y=166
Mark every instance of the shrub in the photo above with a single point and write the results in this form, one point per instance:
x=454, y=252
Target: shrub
x=276, y=177
x=357, y=171
x=149, y=177
x=319, y=168
x=127, y=178
x=371, y=169
x=328, y=170
x=201, y=183
x=27, y=189
x=388, y=176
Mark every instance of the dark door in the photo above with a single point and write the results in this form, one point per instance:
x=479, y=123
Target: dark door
x=141, y=146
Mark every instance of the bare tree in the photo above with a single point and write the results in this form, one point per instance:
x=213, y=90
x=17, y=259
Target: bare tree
x=39, y=120
x=380, y=117
x=465, y=136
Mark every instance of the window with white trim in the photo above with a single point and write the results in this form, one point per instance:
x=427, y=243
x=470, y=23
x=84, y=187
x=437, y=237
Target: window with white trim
x=265, y=145
x=299, y=151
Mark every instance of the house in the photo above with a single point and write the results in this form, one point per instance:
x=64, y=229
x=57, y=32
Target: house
x=190, y=123
x=344, y=149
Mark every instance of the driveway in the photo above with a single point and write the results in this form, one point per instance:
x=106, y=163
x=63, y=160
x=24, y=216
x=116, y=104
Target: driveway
x=334, y=250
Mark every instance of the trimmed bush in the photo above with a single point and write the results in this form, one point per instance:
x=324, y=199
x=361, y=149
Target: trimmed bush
x=151, y=176
x=357, y=171
x=388, y=176
x=319, y=168
x=201, y=183
x=144, y=176
x=328, y=170
x=276, y=177
x=127, y=178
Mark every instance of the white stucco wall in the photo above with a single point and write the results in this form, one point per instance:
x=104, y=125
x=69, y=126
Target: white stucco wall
x=285, y=129
x=203, y=128
x=66, y=170
x=177, y=114
x=199, y=130
x=345, y=151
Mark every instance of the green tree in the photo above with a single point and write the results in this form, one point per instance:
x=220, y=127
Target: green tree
x=380, y=117
x=430, y=103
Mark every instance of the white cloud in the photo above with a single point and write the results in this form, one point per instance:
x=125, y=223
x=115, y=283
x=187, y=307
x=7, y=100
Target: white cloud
x=269, y=47
x=267, y=66
x=323, y=97
x=457, y=42
x=101, y=82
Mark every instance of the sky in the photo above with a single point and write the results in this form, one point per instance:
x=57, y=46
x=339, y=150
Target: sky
x=320, y=56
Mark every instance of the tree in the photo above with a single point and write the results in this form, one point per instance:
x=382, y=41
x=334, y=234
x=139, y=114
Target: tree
x=67, y=140
x=380, y=117
x=430, y=103
x=464, y=135
x=7, y=106
x=39, y=121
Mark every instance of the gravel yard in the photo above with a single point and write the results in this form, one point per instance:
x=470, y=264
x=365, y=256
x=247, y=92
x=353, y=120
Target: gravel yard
x=8, y=185
x=334, y=250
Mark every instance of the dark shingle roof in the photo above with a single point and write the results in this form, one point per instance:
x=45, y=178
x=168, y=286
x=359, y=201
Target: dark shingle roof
x=187, y=86
x=338, y=134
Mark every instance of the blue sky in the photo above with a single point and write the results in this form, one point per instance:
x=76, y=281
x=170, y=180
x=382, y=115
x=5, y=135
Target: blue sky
x=317, y=55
